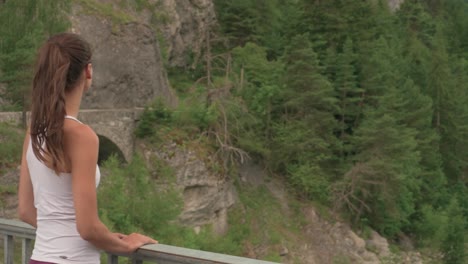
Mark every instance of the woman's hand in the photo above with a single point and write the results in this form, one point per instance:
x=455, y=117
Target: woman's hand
x=135, y=241
x=120, y=236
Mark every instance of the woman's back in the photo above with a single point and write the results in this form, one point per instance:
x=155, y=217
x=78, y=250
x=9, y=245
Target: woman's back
x=57, y=239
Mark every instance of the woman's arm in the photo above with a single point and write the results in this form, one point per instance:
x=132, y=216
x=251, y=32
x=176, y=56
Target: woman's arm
x=81, y=146
x=26, y=210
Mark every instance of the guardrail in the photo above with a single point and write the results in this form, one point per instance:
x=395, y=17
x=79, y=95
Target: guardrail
x=159, y=253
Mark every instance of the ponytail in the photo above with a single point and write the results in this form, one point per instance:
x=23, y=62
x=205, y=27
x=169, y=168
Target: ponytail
x=60, y=64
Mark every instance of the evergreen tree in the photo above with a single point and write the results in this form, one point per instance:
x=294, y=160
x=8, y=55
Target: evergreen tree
x=249, y=21
x=350, y=95
x=23, y=26
x=259, y=89
x=417, y=21
x=383, y=180
x=449, y=111
x=453, y=246
x=387, y=166
x=456, y=22
x=329, y=63
x=418, y=115
x=382, y=93
x=304, y=134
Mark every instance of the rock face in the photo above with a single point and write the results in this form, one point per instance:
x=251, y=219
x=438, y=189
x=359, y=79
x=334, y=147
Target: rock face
x=128, y=69
x=186, y=29
x=337, y=243
x=207, y=195
x=395, y=4
x=332, y=243
x=129, y=72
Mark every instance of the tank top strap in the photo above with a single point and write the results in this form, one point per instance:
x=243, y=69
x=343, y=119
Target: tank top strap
x=73, y=118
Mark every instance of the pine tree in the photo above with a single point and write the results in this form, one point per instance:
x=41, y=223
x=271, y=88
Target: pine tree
x=23, y=26
x=453, y=246
x=418, y=115
x=381, y=183
x=449, y=111
x=304, y=134
x=249, y=21
x=418, y=22
x=386, y=165
x=456, y=22
x=259, y=89
x=350, y=95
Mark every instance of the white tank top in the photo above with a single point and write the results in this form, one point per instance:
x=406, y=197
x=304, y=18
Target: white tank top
x=57, y=238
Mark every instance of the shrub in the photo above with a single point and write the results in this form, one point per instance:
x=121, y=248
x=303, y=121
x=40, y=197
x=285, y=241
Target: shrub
x=11, y=141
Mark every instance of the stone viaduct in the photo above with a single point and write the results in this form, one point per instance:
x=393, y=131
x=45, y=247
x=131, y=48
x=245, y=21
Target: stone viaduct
x=116, y=125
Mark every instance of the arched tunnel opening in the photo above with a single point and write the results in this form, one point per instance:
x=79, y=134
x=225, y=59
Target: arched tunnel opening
x=107, y=148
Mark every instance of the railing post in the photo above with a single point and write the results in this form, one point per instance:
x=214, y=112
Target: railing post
x=112, y=259
x=9, y=246
x=26, y=250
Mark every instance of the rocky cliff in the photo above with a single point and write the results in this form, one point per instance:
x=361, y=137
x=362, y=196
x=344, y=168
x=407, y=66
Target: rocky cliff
x=207, y=195
x=395, y=4
x=187, y=24
x=128, y=69
x=128, y=66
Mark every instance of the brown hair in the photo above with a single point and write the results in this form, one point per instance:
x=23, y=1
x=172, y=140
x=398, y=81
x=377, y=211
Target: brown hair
x=60, y=64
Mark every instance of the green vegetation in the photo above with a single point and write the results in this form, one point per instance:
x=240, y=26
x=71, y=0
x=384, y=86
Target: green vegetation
x=11, y=142
x=11, y=147
x=358, y=108
x=107, y=148
x=149, y=208
x=25, y=24
x=107, y=10
x=155, y=205
x=361, y=113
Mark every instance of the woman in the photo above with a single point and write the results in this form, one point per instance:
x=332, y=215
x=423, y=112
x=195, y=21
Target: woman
x=59, y=173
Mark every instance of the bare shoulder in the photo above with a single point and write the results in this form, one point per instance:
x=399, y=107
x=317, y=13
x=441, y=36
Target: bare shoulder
x=80, y=135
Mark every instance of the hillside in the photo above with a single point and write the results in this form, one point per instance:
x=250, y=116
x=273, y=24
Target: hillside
x=295, y=131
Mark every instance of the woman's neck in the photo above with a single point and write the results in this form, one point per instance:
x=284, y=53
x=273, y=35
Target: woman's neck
x=73, y=101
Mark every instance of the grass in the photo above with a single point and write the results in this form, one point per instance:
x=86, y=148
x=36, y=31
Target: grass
x=16, y=251
x=11, y=141
x=258, y=221
x=140, y=198
x=118, y=17
x=126, y=11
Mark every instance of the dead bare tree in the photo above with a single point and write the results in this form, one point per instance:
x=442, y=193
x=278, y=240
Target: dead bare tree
x=354, y=189
x=217, y=95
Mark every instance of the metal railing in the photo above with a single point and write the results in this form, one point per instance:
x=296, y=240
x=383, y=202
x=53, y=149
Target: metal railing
x=159, y=253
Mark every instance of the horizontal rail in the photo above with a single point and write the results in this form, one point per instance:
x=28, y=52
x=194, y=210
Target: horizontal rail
x=160, y=253
x=166, y=254
x=17, y=229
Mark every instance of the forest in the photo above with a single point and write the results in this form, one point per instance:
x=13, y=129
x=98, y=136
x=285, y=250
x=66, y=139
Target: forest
x=359, y=108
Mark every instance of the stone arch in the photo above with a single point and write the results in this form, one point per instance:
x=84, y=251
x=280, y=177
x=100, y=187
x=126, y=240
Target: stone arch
x=107, y=148
x=117, y=125
x=122, y=141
